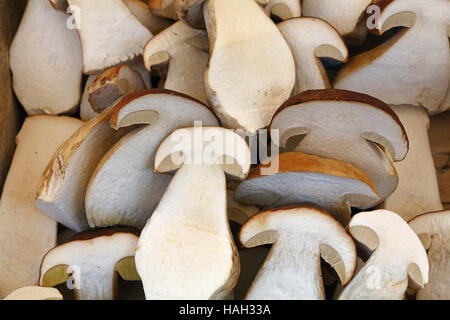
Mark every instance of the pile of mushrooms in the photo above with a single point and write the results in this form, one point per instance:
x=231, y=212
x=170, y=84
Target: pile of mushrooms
x=139, y=155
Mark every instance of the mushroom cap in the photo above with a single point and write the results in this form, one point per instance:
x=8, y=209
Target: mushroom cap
x=336, y=246
x=239, y=212
x=113, y=84
x=346, y=126
x=34, y=293
x=309, y=39
x=204, y=145
x=395, y=244
x=96, y=253
x=126, y=170
x=333, y=185
x=110, y=34
x=433, y=229
x=238, y=47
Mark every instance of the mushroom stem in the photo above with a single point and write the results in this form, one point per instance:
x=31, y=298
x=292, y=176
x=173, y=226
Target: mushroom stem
x=95, y=283
x=418, y=190
x=285, y=266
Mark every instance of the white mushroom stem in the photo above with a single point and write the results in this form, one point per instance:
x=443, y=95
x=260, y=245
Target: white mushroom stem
x=283, y=268
x=418, y=190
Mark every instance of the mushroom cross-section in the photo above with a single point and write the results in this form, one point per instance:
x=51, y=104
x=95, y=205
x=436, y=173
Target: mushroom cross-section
x=142, y=12
x=92, y=259
x=163, y=8
x=333, y=185
x=414, y=64
x=300, y=236
x=186, y=250
x=62, y=188
x=347, y=16
x=346, y=126
x=434, y=231
x=110, y=34
x=34, y=293
x=124, y=190
x=398, y=256
x=46, y=62
x=186, y=63
x=284, y=9
x=244, y=83
x=309, y=39
x=190, y=12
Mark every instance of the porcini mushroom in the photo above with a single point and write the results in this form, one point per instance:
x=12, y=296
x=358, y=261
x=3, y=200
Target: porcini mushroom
x=142, y=12
x=418, y=190
x=124, y=190
x=86, y=111
x=309, y=39
x=63, y=184
x=240, y=48
x=398, y=257
x=163, y=8
x=186, y=63
x=239, y=212
x=284, y=9
x=346, y=16
x=187, y=224
x=110, y=34
x=35, y=293
x=394, y=64
x=113, y=84
x=46, y=62
x=346, y=126
x=434, y=231
x=333, y=185
x=92, y=259
x=190, y=12
x=26, y=234
x=300, y=236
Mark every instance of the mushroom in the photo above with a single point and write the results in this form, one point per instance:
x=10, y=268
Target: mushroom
x=258, y=53
x=46, y=65
x=63, y=184
x=346, y=126
x=346, y=16
x=394, y=64
x=333, y=185
x=142, y=12
x=190, y=12
x=26, y=234
x=239, y=212
x=123, y=189
x=398, y=256
x=35, y=293
x=434, y=231
x=300, y=236
x=163, y=8
x=186, y=63
x=113, y=84
x=186, y=250
x=284, y=9
x=110, y=34
x=86, y=111
x=309, y=39
x=418, y=190
x=92, y=259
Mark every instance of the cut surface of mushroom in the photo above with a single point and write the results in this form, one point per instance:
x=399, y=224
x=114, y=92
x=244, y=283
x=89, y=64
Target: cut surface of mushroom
x=239, y=212
x=395, y=64
x=26, y=234
x=239, y=50
x=284, y=9
x=345, y=15
x=186, y=63
x=109, y=33
x=92, y=259
x=142, y=12
x=190, y=12
x=163, y=8
x=309, y=39
x=418, y=190
x=333, y=185
x=434, y=231
x=46, y=65
x=300, y=236
x=86, y=111
x=124, y=190
x=63, y=184
x=113, y=84
x=346, y=126
x=35, y=293
x=186, y=250
x=398, y=256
